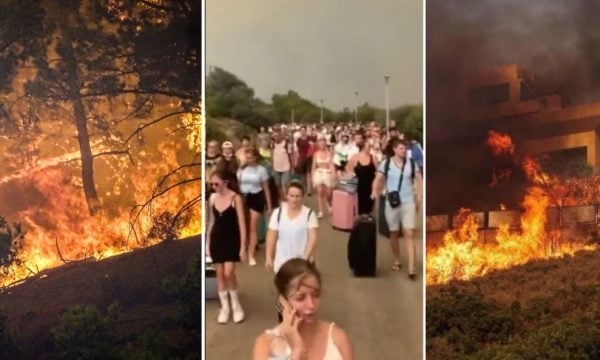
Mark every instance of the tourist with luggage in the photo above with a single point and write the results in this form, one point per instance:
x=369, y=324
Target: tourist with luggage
x=301, y=334
x=292, y=230
x=254, y=184
x=227, y=234
x=402, y=181
x=323, y=175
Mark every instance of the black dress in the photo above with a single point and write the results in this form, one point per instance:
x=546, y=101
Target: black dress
x=365, y=175
x=225, y=239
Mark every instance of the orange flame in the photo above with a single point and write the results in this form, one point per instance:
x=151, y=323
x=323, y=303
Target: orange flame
x=463, y=256
x=58, y=227
x=500, y=143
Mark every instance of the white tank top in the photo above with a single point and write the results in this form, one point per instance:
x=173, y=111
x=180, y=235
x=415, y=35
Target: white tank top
x=331, y=351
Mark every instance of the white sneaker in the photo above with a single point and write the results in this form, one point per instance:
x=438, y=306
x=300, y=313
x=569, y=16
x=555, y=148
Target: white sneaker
x=252, y=262
x=223, y=317
x=320, y=215
x=238, y=314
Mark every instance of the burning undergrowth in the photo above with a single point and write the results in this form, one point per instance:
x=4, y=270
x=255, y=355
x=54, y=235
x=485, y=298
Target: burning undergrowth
x=463, y=255
x=153, y=198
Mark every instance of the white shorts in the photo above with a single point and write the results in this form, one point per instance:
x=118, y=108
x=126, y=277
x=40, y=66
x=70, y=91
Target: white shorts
x=404, y=215
x=323, y=177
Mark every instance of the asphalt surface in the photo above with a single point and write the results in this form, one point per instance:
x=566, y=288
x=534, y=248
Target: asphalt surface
x=382, y=316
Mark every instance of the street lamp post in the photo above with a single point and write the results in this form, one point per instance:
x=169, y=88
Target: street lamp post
x=387, y=104
x=292, y=119
x=356, y=108
x=321, y=111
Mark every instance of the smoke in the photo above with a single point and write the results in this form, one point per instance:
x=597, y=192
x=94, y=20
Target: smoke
x=557, y=40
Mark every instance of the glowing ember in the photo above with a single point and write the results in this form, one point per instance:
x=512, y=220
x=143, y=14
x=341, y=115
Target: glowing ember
x=500, y=143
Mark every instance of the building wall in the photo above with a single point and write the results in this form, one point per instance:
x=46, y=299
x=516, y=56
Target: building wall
x=588, y=139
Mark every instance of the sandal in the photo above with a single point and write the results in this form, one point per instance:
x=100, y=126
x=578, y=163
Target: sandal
x=396, y=266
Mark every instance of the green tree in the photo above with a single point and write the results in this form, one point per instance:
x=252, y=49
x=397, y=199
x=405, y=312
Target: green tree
x=84, y=333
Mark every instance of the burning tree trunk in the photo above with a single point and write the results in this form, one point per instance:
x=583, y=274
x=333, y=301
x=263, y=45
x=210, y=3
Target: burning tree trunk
x=87, y=159
x=83, y=137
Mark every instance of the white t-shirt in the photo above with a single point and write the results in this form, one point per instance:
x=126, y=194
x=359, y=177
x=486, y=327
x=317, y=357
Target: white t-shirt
x=251, y=178
x=341, y=152
x=292, y=237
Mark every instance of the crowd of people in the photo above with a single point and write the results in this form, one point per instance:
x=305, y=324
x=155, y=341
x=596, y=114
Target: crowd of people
x=266, y=178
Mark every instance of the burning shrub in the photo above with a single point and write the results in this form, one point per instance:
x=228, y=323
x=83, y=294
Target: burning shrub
x=166, y=226
x=11, y=237
x=84, y=333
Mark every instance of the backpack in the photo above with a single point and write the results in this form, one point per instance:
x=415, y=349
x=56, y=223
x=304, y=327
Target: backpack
x=279, y=215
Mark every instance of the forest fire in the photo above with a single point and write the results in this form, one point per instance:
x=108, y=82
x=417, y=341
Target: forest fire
x=153, y=200
x=463, y=256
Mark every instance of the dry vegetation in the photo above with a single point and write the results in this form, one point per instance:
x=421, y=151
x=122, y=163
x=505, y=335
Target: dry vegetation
x=543, y=309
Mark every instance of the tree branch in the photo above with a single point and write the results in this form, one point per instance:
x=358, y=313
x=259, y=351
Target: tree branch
x=115, y=152
x=160, y=7
x=143, y=126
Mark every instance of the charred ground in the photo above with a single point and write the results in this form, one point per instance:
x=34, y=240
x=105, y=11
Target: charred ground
x=143, y=285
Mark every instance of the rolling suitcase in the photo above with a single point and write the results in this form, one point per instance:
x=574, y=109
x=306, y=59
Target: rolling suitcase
x=344, y=210
x=210, y=284
x=362, y=247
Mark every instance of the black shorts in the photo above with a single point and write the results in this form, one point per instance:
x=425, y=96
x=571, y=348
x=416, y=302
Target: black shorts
x=255, y=202
x=304, y=166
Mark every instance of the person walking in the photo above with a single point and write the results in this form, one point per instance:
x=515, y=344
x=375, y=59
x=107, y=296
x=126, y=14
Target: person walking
x=282, y=163
x=292, y=230
x=254, y=184
x=301, y=334
x=402, y=182
x=364, y=167
x=323, y=172
x=341, y=151
x=227, y=234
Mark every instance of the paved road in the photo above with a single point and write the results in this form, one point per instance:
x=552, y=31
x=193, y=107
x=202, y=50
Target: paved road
x=383, y=316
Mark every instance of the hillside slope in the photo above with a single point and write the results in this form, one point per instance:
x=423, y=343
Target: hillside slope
x=135, y=280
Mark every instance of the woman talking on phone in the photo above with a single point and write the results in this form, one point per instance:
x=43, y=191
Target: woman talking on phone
x=301, y=335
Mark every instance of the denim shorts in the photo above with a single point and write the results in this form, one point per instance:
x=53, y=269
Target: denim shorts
x=282, y=179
